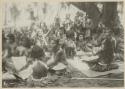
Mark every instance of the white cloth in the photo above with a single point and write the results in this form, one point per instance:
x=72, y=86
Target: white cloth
x=28, y=72
x=19, y=62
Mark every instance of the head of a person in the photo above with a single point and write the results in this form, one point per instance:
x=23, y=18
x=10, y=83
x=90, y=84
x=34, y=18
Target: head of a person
x=53, y=43
x=80, y=37
x=10, y=38
x=37, y=52
x=26, y=42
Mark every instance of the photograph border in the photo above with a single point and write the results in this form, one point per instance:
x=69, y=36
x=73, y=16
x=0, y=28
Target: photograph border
x=2, y=2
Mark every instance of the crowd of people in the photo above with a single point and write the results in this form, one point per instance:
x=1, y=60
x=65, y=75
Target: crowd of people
x=45, y=46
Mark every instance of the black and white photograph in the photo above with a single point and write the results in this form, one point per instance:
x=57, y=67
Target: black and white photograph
x=62, y=44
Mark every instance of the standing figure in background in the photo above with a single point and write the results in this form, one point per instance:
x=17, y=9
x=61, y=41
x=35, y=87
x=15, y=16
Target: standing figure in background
x=80, y=43
x=70, y=46
x=88, y=26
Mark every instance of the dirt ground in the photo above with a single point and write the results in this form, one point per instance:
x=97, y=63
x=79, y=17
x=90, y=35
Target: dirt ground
x=67, y=81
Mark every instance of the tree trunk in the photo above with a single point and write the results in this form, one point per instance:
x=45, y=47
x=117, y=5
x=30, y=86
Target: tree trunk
x=91, y=9
x=110, y=15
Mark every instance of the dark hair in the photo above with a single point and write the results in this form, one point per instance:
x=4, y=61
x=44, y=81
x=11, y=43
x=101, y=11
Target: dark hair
x=27, y=42
x=11, y=37
x=37, y=52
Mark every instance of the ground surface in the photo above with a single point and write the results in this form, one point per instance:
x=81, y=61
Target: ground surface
x=67, y=81
x=76, y=78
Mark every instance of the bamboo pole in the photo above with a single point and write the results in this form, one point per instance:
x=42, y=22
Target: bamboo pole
x=114, y=79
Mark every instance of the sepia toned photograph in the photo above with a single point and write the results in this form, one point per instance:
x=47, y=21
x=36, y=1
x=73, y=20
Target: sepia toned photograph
x=63, y=44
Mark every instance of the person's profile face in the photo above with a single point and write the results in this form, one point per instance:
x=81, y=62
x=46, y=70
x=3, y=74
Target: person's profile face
x=53, y=43
x=81, y=37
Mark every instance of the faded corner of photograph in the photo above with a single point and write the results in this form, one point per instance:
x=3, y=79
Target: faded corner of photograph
x=63, y=44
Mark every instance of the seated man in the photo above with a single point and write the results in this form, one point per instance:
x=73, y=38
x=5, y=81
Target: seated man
x=108, y=50
x=37, y=64
x=57, y=55
x=106, y=56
